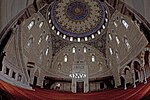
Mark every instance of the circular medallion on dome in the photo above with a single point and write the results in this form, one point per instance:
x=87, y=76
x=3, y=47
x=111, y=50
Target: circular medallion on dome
x=77, y=10
x=77, y=18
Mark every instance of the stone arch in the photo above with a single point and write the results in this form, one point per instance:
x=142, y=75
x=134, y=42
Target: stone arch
x=36, y=76
x=126, y=68
x=138, y=71
x=136, y=66
x=136, y=60
x=146, y=60
x=126, y=76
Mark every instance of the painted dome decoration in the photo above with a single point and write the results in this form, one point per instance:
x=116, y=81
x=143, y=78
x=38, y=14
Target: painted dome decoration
x=78, y=18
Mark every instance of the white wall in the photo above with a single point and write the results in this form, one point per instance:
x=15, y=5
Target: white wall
x=142, y=6
x=10, y=8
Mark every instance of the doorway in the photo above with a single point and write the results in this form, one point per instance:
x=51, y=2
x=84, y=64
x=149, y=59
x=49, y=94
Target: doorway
x=80, y=87
x=136, y=75
x=122, y=81
x=35, y=81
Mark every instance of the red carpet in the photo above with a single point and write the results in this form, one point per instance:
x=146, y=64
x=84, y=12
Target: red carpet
x=43, y=94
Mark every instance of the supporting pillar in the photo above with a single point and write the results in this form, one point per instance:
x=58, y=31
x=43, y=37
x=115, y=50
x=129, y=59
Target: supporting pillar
x=73, y=86
x=133, y=76
x=3, y=69
x=10, y=73
x=86, y=80
x=16, y=77
x=139, y=76
x=145, y=77
x=142, y=76
x=40, y=81
x=116, y=82
x=125, y=85
x=86, y=85
x=116, y=76
x=144, y=71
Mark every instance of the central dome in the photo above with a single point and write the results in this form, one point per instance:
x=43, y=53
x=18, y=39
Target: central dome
x=77, y=18
x=77, y=10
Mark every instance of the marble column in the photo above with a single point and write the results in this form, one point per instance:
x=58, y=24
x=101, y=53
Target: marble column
x=142, y=76
x=22, y=78
x=40, y=81
x=10, y=73
x=16, y=77
x=139, y=76
x=3, y=69
x=86, y=85
x=86, y=79
x=145, y=77
x=144, y=71
x=133, y=76
x=73, y=86
x=125, y=85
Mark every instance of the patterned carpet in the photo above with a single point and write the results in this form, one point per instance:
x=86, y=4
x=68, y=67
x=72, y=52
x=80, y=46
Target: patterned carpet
x=15, y=93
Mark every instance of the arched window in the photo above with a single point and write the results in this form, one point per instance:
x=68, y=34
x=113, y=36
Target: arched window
x=30, y=41
x=41, y=54
x=100, y=66
x=40, y=39
x=110, y=37
x=59, y=65
x=126, y=42
x=64, y=36
x=99, y=32
x=93, y=58
x=73, y=50
x=53, y=27
x=19, y=77
x=103, y=27
x=84, y=49
x=31, y=24
x=115, y=24
x=78, y=39
x=106, y=19
x=47, y=50
x=125, y=24
x=85, y=38
x=41, y=24
x=50, y=21
x=65, y=58
x=92, y=36
x=110, y=50
x=47, y=36
x=71, y=38
x=116, y=53
x=58, y=33
x=117, y=39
